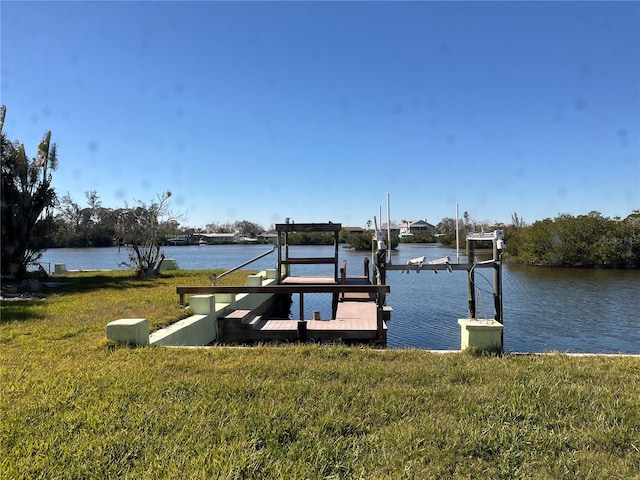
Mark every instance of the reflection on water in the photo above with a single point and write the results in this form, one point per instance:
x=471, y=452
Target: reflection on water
x=545, y=309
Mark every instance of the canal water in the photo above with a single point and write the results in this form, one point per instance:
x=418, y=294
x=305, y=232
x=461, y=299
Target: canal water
x=545, y=309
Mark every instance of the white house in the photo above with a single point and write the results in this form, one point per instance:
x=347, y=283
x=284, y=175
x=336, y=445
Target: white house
x=416, y=226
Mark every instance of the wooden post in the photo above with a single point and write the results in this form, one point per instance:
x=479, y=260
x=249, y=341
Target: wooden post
x=497, y=285
x=497, y=281
x=381, y=256
x=302, y=330
x=287, y=268
x=335, y=248
x=379, y=319
x=301, y=306
x=279, y=275
x=471, y=289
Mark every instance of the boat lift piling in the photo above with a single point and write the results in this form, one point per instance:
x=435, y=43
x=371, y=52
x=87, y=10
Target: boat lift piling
x=482, y=333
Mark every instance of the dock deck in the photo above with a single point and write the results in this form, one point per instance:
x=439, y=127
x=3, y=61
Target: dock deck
x=356, y=319
x=359, y=316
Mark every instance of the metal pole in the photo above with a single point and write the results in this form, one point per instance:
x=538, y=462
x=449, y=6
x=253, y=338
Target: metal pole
x=457, y=237
x=246, y=263
x=388, y=229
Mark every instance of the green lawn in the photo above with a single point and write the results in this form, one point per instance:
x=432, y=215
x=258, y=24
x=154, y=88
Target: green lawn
x=73, y=405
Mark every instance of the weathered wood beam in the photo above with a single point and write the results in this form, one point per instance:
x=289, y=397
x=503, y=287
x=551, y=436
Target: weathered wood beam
x=308, y=261
x=308, y=227
x=281, y=289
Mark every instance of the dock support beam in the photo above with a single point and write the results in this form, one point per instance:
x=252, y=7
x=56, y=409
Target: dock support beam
x=302, y=331
x=471, y=290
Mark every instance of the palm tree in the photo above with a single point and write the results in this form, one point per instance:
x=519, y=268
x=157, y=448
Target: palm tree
x=27, y=202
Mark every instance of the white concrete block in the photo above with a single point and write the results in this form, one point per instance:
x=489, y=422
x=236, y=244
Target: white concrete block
x=192, y=331
x=129, y=330
x=202, y=304
x=229, y=298
x=254, y=280
x=272, y=273
x=485, y=334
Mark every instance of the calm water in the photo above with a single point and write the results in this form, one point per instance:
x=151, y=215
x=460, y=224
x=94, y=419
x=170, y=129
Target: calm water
x=545, y=309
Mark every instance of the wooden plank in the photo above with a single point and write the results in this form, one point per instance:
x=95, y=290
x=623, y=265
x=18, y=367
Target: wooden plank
x=308, y=261
x=356, y=324
x=291, y=288
x=357, y=310
x=308, y=280
x=308, y=227
x=285, y=325
x=238, y=314
x=251, y=320
x=359, y=297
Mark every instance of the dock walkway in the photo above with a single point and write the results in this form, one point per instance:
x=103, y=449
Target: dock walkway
x=356, y=316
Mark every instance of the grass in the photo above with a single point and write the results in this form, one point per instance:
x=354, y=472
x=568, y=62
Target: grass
x=73, y=405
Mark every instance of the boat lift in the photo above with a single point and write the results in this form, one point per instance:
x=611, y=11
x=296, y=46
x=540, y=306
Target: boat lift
x=473, y=240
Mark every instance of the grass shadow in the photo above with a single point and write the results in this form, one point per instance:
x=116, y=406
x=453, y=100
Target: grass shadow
x=20, y=311
x=74, y=283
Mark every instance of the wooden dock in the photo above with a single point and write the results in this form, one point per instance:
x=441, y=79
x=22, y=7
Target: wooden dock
x=358, y=307
x=356, y=317
x=359, y=317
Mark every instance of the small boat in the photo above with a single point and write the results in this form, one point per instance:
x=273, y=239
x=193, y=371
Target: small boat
x=441, y=261
x=177, y=240
x=437, y=261
x=202, y=241
x=416, y=261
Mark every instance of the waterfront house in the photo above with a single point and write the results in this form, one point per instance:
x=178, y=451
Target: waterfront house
x=416, y=226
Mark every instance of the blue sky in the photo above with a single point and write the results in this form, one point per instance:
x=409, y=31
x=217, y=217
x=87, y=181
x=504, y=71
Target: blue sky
x=316, y=110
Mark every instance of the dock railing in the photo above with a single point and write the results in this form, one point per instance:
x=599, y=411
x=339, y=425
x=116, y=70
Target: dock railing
x=284, y=289
x=216, y=278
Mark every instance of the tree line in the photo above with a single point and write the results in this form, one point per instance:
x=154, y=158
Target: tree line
x=590, y=240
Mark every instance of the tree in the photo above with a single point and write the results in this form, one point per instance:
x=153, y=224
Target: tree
x=216, y=227
x=446, y=225
x=143, y=228
x=27, y=202
x=247, y=228
x=92, y=226
x=584, y=241
x=360, y=241
x=517, y=221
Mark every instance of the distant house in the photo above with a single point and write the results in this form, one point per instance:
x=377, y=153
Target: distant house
x=271, y=237
x=416, y=226
x=394, y=228
x=353, y=230
x=180, y=240
x=219, y=237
